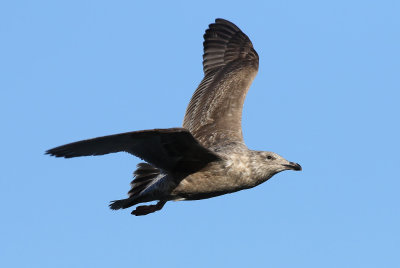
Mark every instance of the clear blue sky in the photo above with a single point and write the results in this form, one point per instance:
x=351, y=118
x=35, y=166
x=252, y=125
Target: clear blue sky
x=326, y=96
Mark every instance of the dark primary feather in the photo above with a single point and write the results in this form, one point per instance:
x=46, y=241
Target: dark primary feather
x=172, y=149
x=223, y=43
x=230, y=64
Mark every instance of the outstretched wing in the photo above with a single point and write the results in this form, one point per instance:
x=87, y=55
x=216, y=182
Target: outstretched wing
x=230, y=64
x=172, y=149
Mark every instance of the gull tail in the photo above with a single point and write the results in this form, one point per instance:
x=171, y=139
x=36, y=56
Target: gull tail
x=145, y=176
x=123, y=203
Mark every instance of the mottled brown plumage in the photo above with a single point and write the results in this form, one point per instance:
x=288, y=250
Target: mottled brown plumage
x=230, y=64
x=207, y=157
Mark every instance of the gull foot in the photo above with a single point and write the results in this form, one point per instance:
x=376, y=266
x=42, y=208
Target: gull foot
x=144, y=210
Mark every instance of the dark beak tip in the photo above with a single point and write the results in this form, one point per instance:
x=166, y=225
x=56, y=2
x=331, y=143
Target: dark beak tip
x=295, y=166
x=299, y=168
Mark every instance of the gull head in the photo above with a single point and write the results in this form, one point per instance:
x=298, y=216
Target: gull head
x=267, y=164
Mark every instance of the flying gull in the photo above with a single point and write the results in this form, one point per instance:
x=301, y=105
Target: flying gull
x=207, y=157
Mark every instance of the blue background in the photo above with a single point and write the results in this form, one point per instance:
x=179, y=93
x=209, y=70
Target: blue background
x=326, y=96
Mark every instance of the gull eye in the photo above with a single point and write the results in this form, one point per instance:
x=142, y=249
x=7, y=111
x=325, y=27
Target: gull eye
x=269, y=157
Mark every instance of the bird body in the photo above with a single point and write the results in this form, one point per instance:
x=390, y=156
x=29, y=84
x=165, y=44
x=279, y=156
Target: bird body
x=207, y=157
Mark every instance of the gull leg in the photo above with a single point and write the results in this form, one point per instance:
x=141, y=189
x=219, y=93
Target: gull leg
x=144, y=210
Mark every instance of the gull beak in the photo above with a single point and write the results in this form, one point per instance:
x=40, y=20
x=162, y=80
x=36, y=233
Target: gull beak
x=293, y=166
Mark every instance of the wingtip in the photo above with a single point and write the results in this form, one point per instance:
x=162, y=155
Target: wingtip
x=226, y=22
x=217, y=20
x=57, y=153
x=48, y=152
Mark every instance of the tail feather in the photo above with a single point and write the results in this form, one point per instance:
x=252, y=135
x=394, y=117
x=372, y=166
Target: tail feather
x=145, y=168
x=123, y=203
x=144, y=176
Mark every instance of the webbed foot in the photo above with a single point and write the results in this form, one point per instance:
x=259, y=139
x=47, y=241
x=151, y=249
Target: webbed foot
x=144, y=210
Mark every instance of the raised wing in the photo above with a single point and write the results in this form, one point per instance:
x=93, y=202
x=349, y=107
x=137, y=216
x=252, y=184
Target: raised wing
x=230, y=64
x=172, y=149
